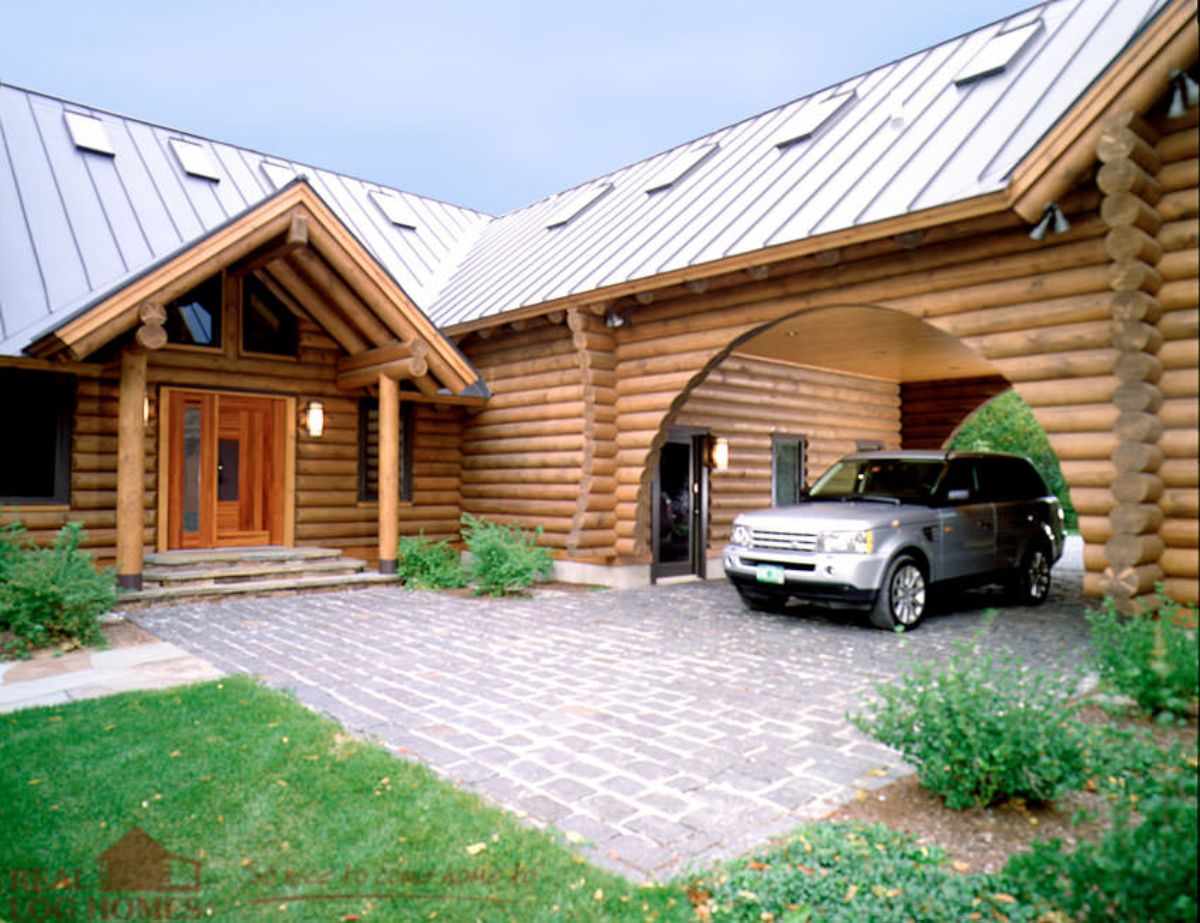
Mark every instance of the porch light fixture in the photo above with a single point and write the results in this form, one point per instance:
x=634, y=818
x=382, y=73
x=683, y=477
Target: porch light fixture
x=1185, y=93
x=314, y=419
x=718, y=453
x=613, y=319
x=1052, y=216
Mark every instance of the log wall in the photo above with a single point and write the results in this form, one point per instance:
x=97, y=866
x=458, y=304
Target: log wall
x=1179, y=206
x=748, y=400
x=930, y=411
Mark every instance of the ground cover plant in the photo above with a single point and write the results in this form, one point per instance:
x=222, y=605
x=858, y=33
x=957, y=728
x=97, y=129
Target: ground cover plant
x=504, y=559
x=1153, y=657
x=280, y=810
x=427, y=565
x=50, y=595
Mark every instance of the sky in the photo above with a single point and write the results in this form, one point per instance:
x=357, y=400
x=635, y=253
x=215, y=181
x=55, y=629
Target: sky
x=483, y=104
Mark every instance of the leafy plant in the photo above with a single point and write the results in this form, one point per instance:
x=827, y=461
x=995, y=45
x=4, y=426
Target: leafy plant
x=426, y=565
x=1153, y=658
x=982, y=729
x=1006, y=424
x=52, y=594
x=504, y=559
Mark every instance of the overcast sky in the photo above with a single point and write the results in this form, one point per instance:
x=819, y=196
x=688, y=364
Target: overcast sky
x=483, y=104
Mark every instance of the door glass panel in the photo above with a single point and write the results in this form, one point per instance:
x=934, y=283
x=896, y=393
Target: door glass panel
x=228, y=457
x=787, y=472
x=675, y=503
x=191, y=469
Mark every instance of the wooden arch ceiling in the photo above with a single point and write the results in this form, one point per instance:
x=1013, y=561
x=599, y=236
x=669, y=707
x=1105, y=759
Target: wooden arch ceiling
x=302, y=252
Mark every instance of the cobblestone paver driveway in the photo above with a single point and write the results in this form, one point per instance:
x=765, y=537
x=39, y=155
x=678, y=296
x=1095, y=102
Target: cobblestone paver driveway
x=665, y=725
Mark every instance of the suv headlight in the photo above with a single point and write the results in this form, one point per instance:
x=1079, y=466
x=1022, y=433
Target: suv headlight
x=846, y=542
x=740, y=536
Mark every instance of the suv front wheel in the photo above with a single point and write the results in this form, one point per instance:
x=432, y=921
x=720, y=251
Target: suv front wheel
x=902, y=598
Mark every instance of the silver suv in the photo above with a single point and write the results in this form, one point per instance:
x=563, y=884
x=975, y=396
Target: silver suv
x=879, y=529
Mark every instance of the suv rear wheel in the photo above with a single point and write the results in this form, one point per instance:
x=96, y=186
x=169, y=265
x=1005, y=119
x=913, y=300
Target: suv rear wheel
x=902, y=598
x=1030, y=586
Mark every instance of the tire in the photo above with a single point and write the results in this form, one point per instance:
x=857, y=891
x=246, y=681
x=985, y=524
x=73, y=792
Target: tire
x=903, y=598
x=1030, y=585
x=761, y=602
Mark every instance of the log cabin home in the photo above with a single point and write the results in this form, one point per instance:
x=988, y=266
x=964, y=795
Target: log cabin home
x=202, y=346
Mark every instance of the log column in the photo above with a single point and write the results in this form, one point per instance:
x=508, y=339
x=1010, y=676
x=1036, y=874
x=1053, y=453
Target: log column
x=1130, y=165
x=593, y=525
x=131, y=465
x=389, y=473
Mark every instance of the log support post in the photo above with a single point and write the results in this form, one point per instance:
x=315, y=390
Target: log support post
x=593, y=524
x=1130, y=164
x=389, y=473
x=131, y=466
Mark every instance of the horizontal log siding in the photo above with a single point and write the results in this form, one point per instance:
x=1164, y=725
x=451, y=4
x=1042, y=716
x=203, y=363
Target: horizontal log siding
x=748, y=400
x=930, y=411
x=524, y=454
x=1179, y=237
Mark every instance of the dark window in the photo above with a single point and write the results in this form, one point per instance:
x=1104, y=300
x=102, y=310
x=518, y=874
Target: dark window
x=194, y=319
x=35, y=467
x=787, y=469
x=1010, y=479
x=368, y=450
x=961, y=475
x=267, y=325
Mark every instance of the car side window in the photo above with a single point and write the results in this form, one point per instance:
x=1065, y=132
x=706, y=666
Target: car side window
x=960, y=485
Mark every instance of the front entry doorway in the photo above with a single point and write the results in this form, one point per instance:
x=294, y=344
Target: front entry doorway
x=225, y=468
x=680, y=517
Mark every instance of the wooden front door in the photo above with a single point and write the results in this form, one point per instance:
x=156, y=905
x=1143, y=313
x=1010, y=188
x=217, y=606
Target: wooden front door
x=225, y=477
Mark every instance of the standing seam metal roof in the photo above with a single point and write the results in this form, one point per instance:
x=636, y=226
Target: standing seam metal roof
x=80, y=224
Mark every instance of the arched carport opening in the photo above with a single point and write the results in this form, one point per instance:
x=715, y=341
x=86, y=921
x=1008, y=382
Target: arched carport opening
x=793, y=395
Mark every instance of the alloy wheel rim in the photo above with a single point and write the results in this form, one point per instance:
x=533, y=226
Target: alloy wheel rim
x=1039, y=576
x=908, y=595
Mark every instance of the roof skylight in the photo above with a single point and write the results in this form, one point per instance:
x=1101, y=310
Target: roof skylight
x=676, y=168
x=88, y=133
x=568, y=205
x=280, y=174
x=808, y=120
x=395, y=209
x=998, y=53
x=195, y=159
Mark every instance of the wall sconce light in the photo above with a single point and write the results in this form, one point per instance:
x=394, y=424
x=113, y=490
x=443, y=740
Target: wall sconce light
x=314, y=419
x=1052, y=215
x=613, y=319
x=1185, y=93
x=718, y=453
x=146, y=410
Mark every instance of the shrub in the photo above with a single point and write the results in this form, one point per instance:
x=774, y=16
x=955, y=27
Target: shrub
x=426, y=565
x=1143, y=868
x=1151, y=658
x=504, y=559
x=52, y=594
x=982, y=729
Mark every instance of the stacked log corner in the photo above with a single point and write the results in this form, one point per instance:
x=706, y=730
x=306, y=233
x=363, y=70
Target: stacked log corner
x=1178, y=149
x=1131, y=191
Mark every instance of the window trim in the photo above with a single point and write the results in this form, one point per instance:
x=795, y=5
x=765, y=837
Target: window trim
x=407, y=430
x=801, y=443
x=63, y=442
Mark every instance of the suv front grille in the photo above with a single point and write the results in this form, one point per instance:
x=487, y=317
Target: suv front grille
x=783, y=541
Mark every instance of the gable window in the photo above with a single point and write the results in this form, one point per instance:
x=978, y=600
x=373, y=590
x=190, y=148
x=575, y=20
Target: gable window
x=194, y=319
x=787, y=469
x=268, y=326
x=36, y=467
x=368, y=450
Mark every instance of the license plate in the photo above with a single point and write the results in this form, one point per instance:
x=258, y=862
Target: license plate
x=769, y=573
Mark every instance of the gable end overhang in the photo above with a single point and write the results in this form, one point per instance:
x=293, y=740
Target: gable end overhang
x=293, y=224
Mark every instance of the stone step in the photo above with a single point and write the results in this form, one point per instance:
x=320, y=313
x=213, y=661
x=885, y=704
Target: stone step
x=208, y=576
x=217, y=557
x=253, y=587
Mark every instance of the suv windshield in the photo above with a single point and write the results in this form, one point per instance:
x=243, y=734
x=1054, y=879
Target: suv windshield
x=901, y=478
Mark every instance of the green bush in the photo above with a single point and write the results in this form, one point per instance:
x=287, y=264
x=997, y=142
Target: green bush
x=504, y=559
x=1142, y=868
x=982, y=729
x=426, y=565
x=1152, y=658
x=48, y=595
x=842, y=872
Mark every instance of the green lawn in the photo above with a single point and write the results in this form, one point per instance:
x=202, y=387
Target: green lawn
x=288, y=818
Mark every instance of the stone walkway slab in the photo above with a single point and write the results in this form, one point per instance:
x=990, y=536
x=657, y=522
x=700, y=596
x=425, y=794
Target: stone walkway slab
x=666, y=726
